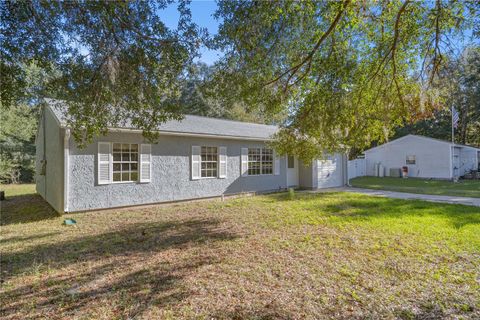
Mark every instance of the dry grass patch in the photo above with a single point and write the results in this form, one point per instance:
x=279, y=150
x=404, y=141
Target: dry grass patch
x=316, y=256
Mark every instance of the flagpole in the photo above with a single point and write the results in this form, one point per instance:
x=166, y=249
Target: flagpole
x=453, y=130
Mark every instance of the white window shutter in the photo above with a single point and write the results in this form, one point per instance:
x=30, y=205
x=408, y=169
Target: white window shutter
x=104, y=163
x=276, y=165
x=222, y=162
x=196, y=163
x=244, y=161
x=145, y=163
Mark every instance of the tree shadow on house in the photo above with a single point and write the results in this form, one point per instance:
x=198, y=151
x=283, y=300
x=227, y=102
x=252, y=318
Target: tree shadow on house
x=130, y=270
x=25, y=208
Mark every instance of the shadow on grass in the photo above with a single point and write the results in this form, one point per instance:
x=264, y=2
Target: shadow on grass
x=353, y=207
x=123, y=265
x=25, y=208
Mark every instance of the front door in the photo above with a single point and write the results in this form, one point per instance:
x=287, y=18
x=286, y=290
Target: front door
x=292, y=171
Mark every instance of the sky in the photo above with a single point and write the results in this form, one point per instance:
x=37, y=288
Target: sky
x=202, y=15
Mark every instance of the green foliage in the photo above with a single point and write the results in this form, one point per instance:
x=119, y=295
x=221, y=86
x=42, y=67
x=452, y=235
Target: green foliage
x=347, y=73
x=291, y=193
x=17, y=150
x=115, y=60
x=459, y=82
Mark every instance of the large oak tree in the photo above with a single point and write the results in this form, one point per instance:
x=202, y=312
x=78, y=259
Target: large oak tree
x=114, y=59
x=347, y=71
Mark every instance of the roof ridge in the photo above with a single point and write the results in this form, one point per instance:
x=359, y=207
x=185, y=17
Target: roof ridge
x=231, y=120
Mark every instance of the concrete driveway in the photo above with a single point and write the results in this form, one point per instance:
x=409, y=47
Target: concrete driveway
x=403, y=195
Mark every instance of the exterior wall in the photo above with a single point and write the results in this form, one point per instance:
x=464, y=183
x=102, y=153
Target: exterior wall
x=171, y=174
x=468, y=160
x=305, y=175
x=50, y=185
x=330, y=171
x=433, y=158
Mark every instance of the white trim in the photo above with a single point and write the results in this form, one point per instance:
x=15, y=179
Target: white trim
x=66, y=168
x=142, y=162
x=244, y=162
x=196, y=160
x=110, y=166
x=222, y=161
x=276, y=163
x=247, y=162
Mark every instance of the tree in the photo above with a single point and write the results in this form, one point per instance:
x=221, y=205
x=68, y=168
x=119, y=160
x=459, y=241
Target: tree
x=19, y=126
x=201, y=94
x=346, y=72
x=17, y=149
x=459, y=82
x=115, y=60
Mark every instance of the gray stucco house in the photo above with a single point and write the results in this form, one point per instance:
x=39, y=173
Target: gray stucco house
x=197, y=157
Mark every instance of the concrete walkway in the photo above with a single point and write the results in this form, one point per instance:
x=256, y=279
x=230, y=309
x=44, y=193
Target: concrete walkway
x=403, y=195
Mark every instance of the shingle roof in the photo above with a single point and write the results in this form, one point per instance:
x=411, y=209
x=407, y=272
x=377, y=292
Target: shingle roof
x=191, y=125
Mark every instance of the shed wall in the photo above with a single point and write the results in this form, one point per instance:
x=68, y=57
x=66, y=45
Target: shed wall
x=432, y=157
x=468, y=160
x=50, y=186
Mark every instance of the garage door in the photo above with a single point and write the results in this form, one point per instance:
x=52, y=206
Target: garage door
x=330, y=171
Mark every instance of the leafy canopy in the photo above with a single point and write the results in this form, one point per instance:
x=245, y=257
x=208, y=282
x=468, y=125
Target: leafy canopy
x=113, y=59
x=346, y=71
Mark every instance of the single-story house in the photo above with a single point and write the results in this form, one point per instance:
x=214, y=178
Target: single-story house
x=425, y=157
x=196, y=157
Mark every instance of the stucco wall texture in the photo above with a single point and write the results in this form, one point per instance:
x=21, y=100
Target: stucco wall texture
x=171, y=174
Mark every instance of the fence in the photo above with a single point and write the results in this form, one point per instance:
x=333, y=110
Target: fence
x=356, y=168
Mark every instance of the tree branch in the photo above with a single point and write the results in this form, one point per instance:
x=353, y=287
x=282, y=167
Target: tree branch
x=293, y=70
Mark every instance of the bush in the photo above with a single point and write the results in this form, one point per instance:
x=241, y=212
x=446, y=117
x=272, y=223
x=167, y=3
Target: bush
x=291, y=193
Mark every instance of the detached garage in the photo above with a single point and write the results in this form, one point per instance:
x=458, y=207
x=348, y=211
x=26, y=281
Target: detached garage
x=425, y=158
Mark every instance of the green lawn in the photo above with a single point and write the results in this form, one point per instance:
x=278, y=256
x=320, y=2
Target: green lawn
x=332, y=255
x=464, y=188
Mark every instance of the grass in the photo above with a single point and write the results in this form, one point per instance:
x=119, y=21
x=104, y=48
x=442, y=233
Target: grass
x=22, y=204
x=332, y=255
x=464, y=188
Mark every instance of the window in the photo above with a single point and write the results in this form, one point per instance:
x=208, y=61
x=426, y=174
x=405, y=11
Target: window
x=260, y=161
x=291, y=162
x=125, y=162
x=209, y=162
x=411, y=160
x=267, y=161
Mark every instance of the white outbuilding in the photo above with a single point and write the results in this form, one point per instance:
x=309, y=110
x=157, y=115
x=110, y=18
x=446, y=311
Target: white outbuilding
x=425, y=158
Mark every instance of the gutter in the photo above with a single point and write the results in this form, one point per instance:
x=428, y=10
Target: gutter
x=173, y=133
x=66, y=168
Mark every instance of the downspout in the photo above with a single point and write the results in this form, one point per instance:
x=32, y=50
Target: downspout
x=66, y=168
x=44, y=158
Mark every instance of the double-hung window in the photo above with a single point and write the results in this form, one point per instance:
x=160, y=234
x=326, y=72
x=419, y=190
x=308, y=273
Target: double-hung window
x=411, y=159
x=260, y=161
x=209, y=162
x=125, y=162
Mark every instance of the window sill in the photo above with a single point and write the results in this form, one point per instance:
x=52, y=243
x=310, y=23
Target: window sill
x=123, y=182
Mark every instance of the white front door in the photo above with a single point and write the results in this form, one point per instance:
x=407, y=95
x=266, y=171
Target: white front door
x=292, y=171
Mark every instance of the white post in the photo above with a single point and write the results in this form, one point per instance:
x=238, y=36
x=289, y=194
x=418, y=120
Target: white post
x=452, y=148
